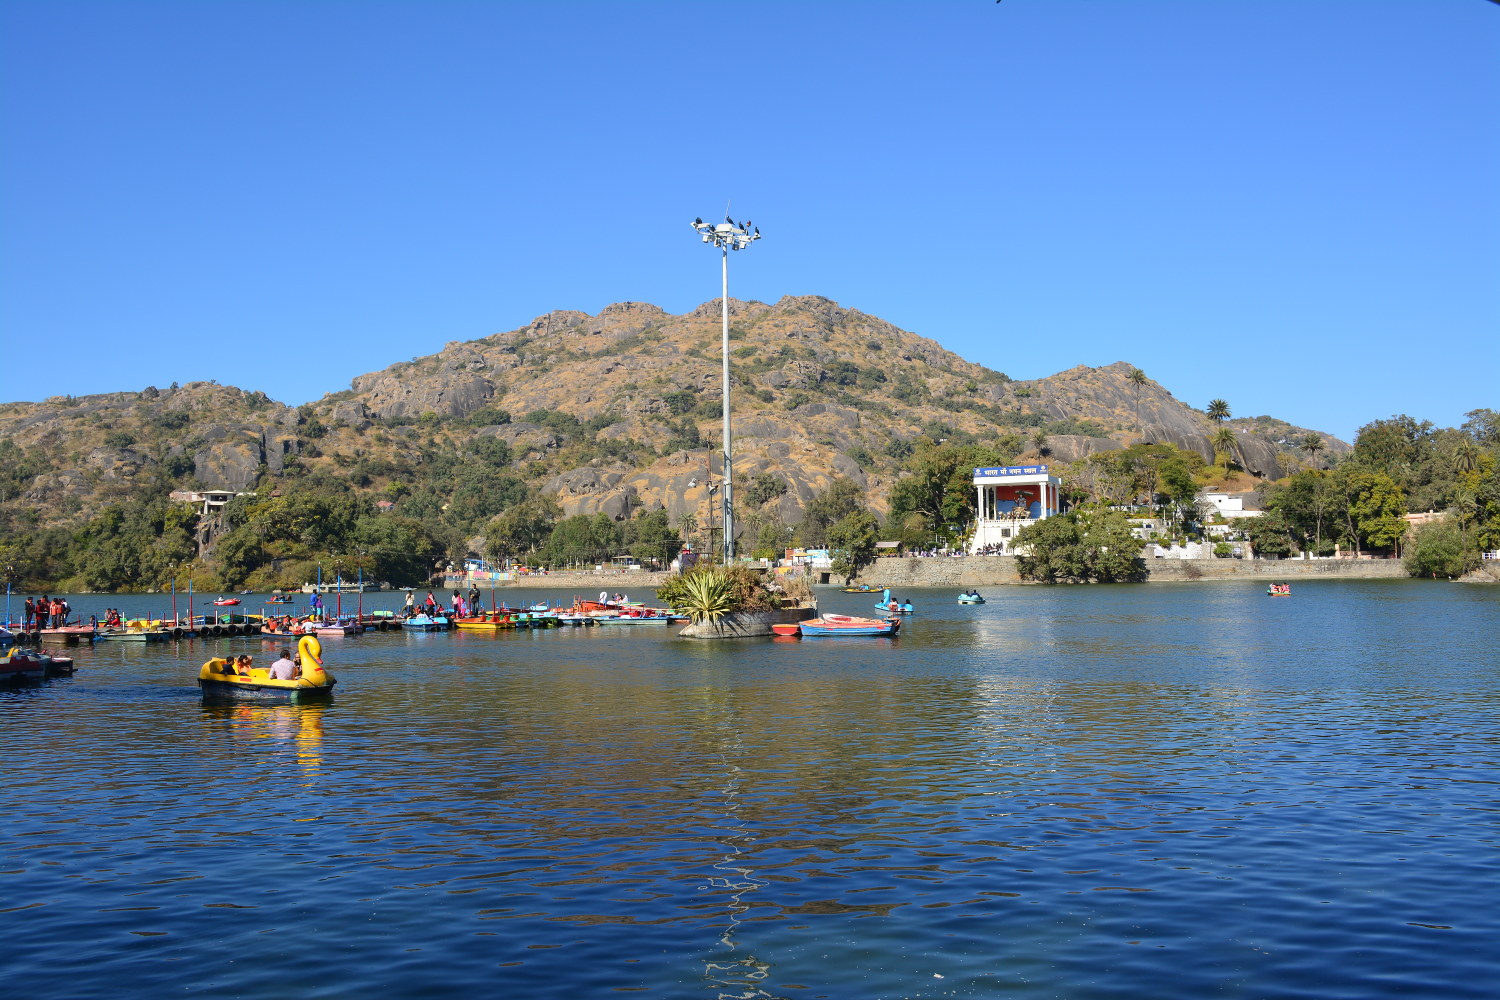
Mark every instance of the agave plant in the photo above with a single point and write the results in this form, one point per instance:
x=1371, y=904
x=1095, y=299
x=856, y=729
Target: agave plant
x=705, y=596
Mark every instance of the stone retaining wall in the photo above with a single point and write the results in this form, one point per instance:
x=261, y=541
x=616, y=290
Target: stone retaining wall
x=998, y=571
x=1183, y=570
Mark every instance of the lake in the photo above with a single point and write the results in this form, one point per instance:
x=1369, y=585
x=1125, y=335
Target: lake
x=1159, y=791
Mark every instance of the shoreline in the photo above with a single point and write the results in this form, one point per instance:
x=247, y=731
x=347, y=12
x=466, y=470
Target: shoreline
x=1001, y=571
x=962, y=571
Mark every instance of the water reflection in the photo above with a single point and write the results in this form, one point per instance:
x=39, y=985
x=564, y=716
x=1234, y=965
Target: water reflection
x=735, y=975
x=298, y=728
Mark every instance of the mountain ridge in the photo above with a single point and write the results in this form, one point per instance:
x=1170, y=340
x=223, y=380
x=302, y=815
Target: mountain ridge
x=618, y=410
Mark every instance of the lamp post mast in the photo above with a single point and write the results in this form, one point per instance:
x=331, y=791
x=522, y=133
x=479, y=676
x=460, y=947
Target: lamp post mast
x=727, y=235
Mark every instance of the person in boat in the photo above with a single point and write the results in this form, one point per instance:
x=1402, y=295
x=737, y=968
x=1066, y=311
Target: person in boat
x=284, y=669
x=411, y=602
x=473, y=595
x=431, y=603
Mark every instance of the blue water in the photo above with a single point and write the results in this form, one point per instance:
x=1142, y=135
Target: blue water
x=1092, y=792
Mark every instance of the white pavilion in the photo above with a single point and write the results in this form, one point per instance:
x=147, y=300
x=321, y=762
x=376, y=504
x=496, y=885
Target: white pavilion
x=1010, y=498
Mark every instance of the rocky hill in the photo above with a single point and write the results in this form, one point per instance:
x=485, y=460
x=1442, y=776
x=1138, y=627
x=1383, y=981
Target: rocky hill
x=608, y=413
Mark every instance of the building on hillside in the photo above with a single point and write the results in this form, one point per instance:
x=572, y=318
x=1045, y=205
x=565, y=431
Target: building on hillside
x=1232, y=505
x=207, y=501
x=1010, y=498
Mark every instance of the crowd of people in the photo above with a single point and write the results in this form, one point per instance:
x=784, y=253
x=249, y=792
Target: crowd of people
x=460, y=608
x=46, y=613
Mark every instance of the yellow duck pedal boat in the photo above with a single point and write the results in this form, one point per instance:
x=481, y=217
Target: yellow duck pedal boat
x=220, y=680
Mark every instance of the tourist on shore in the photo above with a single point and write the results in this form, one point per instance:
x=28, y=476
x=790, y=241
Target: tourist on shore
x=26, y=616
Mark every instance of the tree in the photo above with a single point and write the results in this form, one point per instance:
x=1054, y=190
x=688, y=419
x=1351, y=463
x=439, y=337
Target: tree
x=1092, y=543
x=1439, y=548
x=582, y=539
x=403, y=550
x=651, y=538
x=1223, y=442
x=1377, y=507
x=940, y=484
x=1138, y=379
x=1395, y=446
x=1218, y=411
x=852, y=541
x=1483, y=426
x=1269, y=534
x=762, y=489
x=1308, y=504
x=772, y=540
x=1312, y=444
x=523, y=529
x=842, y=498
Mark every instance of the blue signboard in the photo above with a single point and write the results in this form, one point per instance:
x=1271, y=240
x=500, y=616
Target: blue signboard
x=1012, y=470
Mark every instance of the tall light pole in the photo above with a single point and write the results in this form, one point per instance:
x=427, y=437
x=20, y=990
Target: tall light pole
x=727, y=235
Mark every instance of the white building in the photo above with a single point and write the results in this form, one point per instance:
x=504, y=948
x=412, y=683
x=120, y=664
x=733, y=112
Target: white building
x=207, y=501
x=1232, y=505
x=1010, y=498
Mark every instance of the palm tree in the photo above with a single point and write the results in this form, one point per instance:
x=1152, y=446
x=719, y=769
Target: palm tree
x=1312, y=444
x=1138, y=379
x=1466, y=455
x=1218, y=411
x=1039, y=441
x=1223, y=443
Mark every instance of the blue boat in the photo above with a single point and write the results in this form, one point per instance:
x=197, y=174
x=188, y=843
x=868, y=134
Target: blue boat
x=895, y=608
x=426, y=623
x=849, y=625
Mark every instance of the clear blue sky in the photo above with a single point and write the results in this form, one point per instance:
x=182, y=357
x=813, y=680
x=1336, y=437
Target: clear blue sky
x=1290, y=204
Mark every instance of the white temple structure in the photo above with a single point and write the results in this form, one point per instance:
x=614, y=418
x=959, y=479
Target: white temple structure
x=1010, y=498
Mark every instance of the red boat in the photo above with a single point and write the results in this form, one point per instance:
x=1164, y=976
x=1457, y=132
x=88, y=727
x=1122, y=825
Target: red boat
x=226, y=602
x=20, y=664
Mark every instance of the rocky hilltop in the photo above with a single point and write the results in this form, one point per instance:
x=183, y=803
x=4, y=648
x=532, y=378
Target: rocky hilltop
x=613, y=412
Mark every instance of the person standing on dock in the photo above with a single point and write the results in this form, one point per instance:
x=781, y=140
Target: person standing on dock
x=26, y=616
